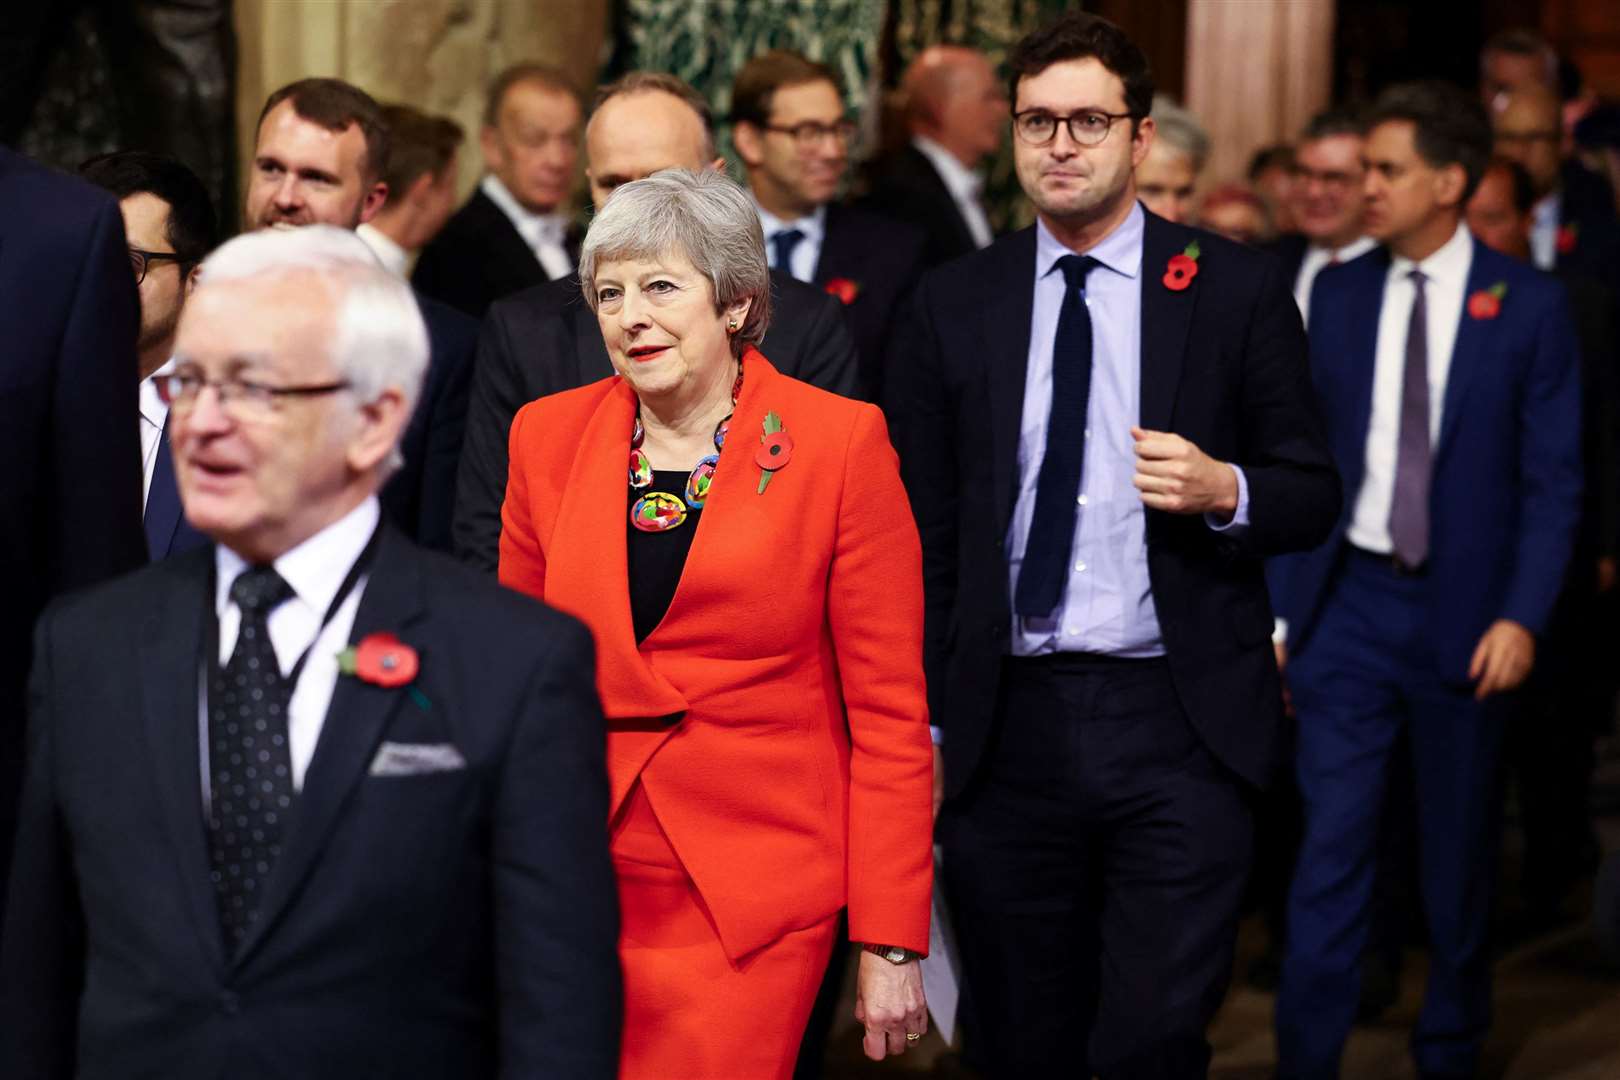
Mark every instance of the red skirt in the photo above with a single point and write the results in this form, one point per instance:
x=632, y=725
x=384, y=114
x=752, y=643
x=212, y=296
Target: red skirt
x=690, y=1013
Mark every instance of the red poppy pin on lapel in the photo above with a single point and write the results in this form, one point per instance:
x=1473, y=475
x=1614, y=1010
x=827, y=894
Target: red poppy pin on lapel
x=1487, y=303
x=843, y=288
x=1566, y=238
x=775, y=450
x=381, y=659
x=1182, y=269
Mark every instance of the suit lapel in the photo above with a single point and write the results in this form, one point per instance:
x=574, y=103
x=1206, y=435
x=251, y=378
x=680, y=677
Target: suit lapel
x=506, y=245
x=354, y=723
x=1006, y=332
x=1166, y=318
x=171, y=650
x=1470, y=351
x=840, y=252
x=162, y=500
x=1364, y=306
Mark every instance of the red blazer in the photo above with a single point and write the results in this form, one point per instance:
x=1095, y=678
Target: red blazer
x=799, y=777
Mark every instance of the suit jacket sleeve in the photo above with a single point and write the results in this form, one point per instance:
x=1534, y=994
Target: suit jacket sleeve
x=1549, y=470
x=522, y=561
x=874, y=609
x=1294, y=489
x=447, y=429
x=917, y=404
x=42, y=952
x=495, y=397
x=556, y=907
x=94, y=526
x=828, y=357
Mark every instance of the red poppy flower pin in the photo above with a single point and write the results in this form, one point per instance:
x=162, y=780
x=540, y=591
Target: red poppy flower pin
x=1182, y=269
x=843, y=288
x=775, y=450
x=1567, y=236
x=381, y=659
x=1487, y=303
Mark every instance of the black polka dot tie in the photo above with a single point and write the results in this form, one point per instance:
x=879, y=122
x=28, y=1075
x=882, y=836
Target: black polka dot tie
x=249, y=765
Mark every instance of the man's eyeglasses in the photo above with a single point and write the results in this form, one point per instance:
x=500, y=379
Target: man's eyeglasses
x=1333, y=181
x=240, y=399
x=139, y=260
x=808, y=134
x=1088, y=127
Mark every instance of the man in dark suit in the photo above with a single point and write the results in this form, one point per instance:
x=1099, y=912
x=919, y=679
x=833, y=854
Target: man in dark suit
x=1328, y=203
x=1105, y=424
x=70, y=506
x=396, y=862
x=1569, y=697
x=321, y=151
x=956, y=114
x=1450, y=379
x=793, y=138
x=545, y=340
x=514, y=232
x=170, y=226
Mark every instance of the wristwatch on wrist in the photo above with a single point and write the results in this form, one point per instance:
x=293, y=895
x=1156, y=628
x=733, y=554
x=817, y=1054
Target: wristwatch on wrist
x=894, y=954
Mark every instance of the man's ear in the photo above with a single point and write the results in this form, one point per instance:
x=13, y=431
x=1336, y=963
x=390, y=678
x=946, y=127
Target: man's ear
x=421, y=189
x=1142, y=141
x=373, y=201
x=1449, y=183
x=191, y=278
x=382, y=422
x=748, y=139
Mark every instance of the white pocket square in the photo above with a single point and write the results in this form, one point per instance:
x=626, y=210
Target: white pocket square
x=415, y=759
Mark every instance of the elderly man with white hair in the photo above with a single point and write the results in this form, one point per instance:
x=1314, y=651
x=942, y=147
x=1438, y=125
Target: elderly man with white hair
x=311, y=801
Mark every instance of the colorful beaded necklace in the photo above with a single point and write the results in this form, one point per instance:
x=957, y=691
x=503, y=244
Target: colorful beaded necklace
x=659, y=511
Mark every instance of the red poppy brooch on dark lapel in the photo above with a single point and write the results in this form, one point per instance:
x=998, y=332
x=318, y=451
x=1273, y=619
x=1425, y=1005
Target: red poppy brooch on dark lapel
x=1487, y=303
x=775, y=450
x=1566, y=238
x=843, y=288
x=1182, y=269
x=381, y=659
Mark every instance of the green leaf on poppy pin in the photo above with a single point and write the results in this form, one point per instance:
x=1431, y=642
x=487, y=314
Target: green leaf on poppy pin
x=1192, y=251
x=773, y=424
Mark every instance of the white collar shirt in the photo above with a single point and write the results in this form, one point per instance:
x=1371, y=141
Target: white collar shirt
x=1318, y=258
x=395, y=259
x=545, y=234
x=965, y=186
x=154, y=414
x=1544, y=230
x=315, y=570
x=807, y=252
x=1445, y=281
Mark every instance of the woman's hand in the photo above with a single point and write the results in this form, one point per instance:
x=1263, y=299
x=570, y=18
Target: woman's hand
x=889, y=1003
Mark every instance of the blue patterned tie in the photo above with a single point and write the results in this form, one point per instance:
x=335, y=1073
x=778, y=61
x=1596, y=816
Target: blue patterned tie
x=1409, y=505
x=1051, y=532
x=782, y=246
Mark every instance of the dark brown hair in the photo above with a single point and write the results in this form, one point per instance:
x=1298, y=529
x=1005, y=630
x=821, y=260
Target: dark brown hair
x=527, y=72
x=192, y=229
x=421, y=144
x=1450, y=126
x=334, y=105
x=757, y=82
x=1076, y=36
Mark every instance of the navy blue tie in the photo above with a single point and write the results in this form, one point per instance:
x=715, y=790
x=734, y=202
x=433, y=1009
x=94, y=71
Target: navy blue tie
x=1051, y=532
x=782, y=245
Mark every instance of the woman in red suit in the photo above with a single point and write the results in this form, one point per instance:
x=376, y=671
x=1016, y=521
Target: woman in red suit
x=768, y=743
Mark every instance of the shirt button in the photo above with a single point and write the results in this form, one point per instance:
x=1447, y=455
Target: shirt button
x=229, y=1003
x=1088, y=433
x=1073, y=631
x=1079, y=567
x=1081, y=500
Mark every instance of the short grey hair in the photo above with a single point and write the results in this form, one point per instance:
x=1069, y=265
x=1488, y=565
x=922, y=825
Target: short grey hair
x=1180, y=130
x=702, y=216
x=380, y=341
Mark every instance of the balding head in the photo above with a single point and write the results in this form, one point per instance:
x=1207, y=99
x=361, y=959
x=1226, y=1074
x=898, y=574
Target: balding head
x=954, y=98
x=640, y=128
x=1528, y=129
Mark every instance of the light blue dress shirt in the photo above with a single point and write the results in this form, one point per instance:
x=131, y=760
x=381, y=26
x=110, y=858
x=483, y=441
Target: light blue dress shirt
x=1107, y=604
x=807, y=252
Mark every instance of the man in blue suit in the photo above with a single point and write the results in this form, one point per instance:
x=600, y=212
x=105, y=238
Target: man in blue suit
x=1450, y=380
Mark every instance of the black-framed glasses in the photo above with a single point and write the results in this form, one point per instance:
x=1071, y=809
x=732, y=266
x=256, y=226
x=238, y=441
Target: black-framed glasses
x=1088, y=127
x=241, y=399
x=139, y=260
x=808, y=134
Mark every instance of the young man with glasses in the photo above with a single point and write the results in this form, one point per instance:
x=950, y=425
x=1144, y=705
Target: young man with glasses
x=170, y=225
x=1105, y=423
x=793, y=137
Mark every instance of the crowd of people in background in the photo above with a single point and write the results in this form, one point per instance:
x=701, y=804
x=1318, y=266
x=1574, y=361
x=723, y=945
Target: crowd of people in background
x=1261, y=605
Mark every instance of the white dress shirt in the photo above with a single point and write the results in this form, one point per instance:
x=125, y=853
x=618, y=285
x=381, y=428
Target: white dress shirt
x=546, y=234
x=807, y=253
x=395, y=259
x=963, y=183
x=1544, y=230
x=1446, y=280
x=1316, y=259
x=315, y=570
x=154, y=413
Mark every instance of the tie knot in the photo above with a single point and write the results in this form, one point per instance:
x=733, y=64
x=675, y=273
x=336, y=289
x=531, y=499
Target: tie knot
x=1418, y=277
x=259, y=589
x=1075, y=268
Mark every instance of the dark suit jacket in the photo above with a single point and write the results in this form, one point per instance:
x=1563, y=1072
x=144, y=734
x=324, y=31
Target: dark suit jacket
x=479, y=257
x=882, y=258
x=545, y=340
x=1223, y=364
x=1589, y=235
x=421, y=497
x=1290, y=250
x=1592, y=306
x=70, y=494
x=167, y=530
x=450, y=924
x=907, y=187
x=1505, y=495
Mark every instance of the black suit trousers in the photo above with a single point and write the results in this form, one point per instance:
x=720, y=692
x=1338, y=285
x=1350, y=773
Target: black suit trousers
x=1096, y=869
